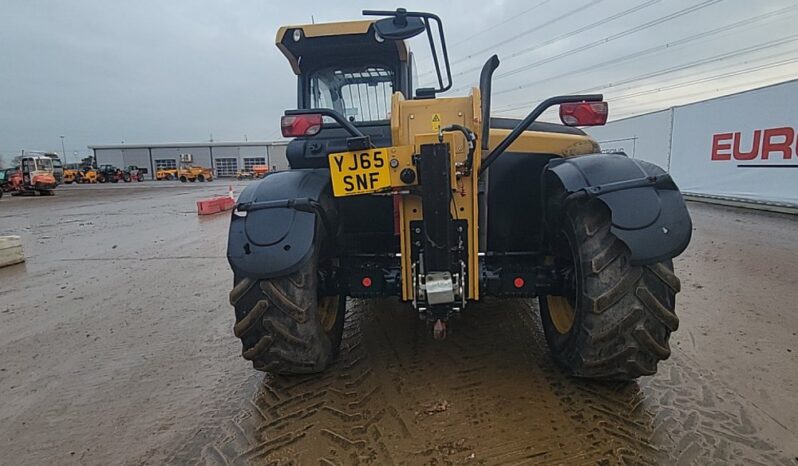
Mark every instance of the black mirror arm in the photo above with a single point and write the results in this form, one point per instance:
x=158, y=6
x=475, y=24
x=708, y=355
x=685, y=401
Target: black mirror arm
x=445, y=56
x=434, y=55
x=378, y=12
x=526, y=122
x=426, y=17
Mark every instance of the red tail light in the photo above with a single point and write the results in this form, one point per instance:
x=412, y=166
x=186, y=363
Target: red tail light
x=584, y=113
x=300, y=125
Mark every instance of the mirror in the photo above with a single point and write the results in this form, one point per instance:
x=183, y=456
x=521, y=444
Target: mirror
x=399, y=27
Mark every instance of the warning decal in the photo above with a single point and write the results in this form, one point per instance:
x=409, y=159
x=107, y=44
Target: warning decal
x=436, y=122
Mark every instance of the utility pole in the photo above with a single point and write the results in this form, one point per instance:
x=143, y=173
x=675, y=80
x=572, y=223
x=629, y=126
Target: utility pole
x=63, y=151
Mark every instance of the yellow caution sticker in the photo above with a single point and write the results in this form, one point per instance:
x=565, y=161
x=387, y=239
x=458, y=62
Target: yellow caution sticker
x=436, y=122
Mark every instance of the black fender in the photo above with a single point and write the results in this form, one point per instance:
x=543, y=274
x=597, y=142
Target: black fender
x=278, y=220
x=648, y=212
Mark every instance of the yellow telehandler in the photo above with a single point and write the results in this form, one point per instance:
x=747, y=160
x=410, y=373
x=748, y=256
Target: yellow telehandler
x=396, y=191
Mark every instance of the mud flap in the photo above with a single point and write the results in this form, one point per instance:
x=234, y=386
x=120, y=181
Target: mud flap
x=648, y=212
x=277, y=222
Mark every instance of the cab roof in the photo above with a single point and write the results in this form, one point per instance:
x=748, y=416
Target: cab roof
x=325, y=38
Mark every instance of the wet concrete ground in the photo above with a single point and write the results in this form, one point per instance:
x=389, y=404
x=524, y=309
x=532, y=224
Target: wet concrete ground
x=116, y=348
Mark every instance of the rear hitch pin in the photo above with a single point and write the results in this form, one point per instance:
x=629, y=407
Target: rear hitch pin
x=439, y=330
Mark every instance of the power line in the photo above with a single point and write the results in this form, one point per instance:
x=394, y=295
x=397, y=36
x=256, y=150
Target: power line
x=499, y=24
x=748, y=85
x=601, y=22
x=428, y=60
x=651, y=50
x=693, y=82
x=602, y=41
x=704, y=61
x=642, y=27
x=592, y=3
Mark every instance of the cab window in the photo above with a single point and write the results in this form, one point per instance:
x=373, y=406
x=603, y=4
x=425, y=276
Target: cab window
x=44, y=164
x=360, y=94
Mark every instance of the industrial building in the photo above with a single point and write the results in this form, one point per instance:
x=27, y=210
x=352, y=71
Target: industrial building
x=226, y=158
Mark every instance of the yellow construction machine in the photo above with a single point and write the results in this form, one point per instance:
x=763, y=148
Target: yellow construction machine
x=397, y=191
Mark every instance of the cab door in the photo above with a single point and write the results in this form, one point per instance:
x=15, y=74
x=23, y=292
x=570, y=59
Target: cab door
x=28, y=167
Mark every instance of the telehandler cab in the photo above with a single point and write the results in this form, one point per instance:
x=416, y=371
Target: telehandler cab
x=394, y=191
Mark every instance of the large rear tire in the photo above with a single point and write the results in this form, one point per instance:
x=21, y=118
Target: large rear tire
x=284, y=325
x=616, y=318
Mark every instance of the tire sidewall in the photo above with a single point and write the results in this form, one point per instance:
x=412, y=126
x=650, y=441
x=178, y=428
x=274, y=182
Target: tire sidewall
x=323, y=256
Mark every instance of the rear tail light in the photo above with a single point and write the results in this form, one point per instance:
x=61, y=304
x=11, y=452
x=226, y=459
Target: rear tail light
x=584, y=113
x=301, y=125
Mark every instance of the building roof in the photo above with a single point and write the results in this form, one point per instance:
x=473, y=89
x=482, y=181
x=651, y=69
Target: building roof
x=188, y=144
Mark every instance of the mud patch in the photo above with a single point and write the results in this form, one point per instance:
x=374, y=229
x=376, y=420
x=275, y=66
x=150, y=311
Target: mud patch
x=489, y=394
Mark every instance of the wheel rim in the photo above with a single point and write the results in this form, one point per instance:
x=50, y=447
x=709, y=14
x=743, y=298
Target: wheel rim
x=561, y=312
x=562, y=308
x=328, y=312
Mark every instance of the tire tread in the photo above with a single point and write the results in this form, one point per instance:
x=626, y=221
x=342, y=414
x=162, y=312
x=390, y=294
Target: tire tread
x=278, y=323
x=625, y=313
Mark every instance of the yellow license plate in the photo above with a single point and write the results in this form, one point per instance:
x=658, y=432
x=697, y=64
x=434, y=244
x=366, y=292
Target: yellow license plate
x=360, y=172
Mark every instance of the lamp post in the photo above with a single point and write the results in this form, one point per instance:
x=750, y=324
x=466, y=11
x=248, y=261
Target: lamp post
x=63, y=151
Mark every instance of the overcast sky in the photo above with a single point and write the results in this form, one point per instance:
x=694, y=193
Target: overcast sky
x=155, y=71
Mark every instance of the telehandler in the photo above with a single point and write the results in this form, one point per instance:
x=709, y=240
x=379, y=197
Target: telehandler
x=187, y=171
x=72, y=173
x=396, y=191
x=194, y=173
x=88, y=175
x=166, y=174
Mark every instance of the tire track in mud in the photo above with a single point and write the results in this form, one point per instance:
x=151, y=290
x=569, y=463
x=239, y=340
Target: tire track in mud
x=488, y=394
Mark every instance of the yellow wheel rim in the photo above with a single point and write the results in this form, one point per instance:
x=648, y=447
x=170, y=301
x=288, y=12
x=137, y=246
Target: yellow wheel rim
x=561, y=312
x=328, y=312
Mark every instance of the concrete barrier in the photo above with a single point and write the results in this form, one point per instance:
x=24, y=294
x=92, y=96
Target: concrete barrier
x=10, y=250
x=215, y=205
